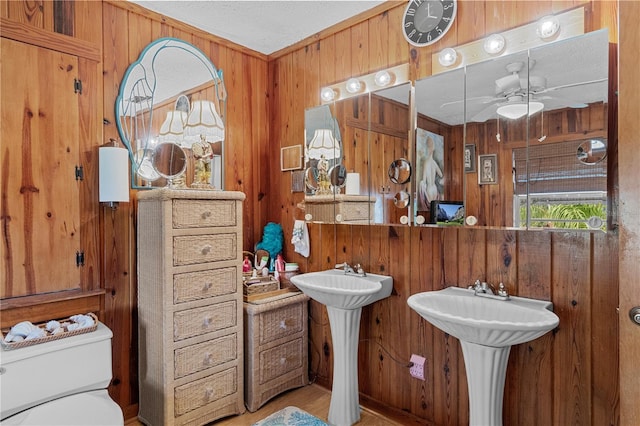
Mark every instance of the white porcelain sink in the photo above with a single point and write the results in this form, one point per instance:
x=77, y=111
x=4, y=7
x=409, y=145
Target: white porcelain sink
x=487, y=328
x=485, y=321
x=344, y=291
x=344, y=295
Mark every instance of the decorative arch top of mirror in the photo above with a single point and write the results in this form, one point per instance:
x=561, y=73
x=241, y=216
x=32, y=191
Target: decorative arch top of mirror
x=156, y=84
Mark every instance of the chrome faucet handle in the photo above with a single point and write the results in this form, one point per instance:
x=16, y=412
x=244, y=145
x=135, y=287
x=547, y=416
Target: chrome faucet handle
x=359, y=269
x=502, y=290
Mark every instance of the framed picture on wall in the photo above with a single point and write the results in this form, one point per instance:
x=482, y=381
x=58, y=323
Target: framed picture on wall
x=488, y=169
x=469, y=158
x=429, y=168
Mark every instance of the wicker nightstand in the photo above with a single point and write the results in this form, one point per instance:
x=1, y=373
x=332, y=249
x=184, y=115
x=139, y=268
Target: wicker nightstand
x=276, y=348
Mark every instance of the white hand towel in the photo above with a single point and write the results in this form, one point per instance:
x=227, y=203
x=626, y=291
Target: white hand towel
x=300, y=238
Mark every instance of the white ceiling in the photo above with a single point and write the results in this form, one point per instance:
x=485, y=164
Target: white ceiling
x=265, y=26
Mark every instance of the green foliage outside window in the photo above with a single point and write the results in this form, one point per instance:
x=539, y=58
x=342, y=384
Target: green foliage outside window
x=567, y=216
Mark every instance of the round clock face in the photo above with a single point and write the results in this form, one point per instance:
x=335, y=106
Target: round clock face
x=427, y=21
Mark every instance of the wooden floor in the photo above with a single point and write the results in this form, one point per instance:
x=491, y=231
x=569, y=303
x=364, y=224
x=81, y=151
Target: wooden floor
x=313, y=399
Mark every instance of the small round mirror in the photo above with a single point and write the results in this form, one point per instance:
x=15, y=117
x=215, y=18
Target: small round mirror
x=169, y=160
x=401, y=200
x=400, y=171
x=338, y=176
x=592, y=151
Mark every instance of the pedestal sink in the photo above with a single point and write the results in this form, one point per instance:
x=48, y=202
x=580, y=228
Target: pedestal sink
x=344, y=295
x=486, y=328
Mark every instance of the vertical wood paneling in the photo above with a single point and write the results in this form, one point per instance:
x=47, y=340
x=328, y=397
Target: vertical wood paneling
x=571, y=276
x=549, y=380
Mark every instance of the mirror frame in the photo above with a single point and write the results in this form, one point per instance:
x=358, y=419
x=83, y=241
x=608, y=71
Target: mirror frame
x=141, y=81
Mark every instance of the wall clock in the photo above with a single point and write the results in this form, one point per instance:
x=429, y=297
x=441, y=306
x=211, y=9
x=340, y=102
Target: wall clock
x=426, y=21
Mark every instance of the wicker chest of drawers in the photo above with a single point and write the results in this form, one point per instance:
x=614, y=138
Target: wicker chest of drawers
x=190, y=306
x=276, y=347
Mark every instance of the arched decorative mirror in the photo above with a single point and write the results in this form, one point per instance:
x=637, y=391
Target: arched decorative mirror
x=173, y=93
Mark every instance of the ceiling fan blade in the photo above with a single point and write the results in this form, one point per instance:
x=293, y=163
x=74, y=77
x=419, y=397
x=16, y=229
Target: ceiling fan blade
x=565, y=86
x=485, y=114
x=478, y=98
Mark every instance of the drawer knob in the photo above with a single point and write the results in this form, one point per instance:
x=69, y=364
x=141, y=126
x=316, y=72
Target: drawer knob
x=207, y=321
x=206, y=249
x=207, y=286
x=206, y=214
x=283, y=324
x=208, y=358
x=208, y=393
x=283, y=361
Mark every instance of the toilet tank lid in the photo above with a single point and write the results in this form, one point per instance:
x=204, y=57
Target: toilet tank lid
x=8, y=356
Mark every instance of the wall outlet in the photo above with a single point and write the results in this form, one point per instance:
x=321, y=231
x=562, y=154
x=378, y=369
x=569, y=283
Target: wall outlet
x=418, y=367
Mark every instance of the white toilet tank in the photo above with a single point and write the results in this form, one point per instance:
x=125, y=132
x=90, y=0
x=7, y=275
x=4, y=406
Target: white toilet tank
x=34, y=375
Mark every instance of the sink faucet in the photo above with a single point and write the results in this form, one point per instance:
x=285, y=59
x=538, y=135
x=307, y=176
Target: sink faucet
x=484, y=289
x=354, y=270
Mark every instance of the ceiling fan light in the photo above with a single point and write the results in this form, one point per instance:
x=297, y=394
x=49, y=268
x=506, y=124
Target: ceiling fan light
x=535, y=107
x=494, y=44
x=447, y=57
x=327, y=94
x=548, y=27
x=514, y=111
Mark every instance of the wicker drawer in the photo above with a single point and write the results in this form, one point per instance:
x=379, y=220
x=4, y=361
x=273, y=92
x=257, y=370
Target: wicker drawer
x=203, y=213
x=194, y=322
x=280, y=360
x=205, y=355
x=280, y=322
x=204, y=391
x=192, y=249
x=203, y=284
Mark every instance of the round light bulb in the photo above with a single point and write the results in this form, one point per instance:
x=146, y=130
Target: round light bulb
x=548, y=27
x=353, y=85
x=382, y=78
x=327, y=94
x=447, y=57
x=494, y=44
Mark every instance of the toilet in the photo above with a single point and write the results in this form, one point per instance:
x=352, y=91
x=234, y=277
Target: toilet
x=62, y=382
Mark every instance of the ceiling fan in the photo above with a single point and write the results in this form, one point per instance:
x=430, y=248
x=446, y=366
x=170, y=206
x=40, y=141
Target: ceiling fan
x=512, y=92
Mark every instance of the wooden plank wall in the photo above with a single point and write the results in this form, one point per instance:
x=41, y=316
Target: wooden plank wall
x=556, y=379
x=117, y=32
x=127, y=30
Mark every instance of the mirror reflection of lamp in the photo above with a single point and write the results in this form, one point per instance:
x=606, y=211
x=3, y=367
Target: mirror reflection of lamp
x=203, y=127
x=323, y=148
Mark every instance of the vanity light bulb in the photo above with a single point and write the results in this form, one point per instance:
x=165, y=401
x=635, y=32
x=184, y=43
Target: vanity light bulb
x=494, y=44
x=548, y=27
x=383, y=78
x=327, y=94
x=447, y=57
x=353, y=85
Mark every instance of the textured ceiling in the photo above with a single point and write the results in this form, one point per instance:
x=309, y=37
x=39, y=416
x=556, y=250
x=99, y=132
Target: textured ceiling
x=265, y=26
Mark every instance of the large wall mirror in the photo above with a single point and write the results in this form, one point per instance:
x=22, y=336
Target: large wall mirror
x=525, y=139
x=536, y=166
x=173, y=94
x=358, y=167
